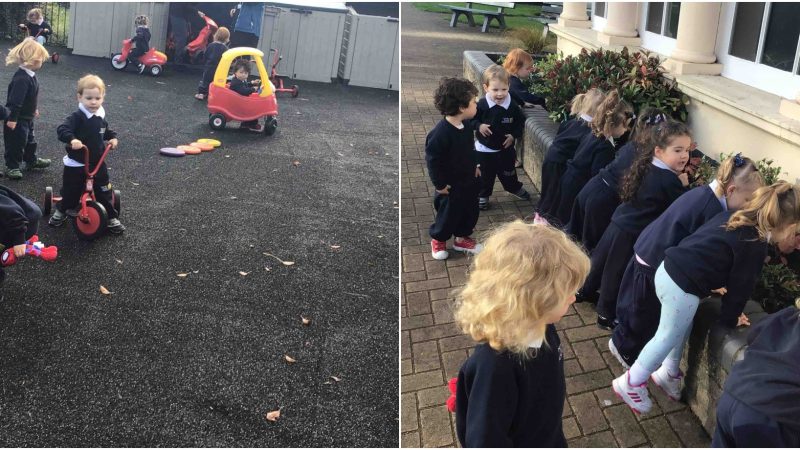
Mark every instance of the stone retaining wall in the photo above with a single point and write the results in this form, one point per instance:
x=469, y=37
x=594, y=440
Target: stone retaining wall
x=711, y=350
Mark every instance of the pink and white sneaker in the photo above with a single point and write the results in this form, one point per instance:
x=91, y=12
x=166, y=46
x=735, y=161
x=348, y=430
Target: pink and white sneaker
x=439, y=250
x=636, y=397
x=467, y=245
x=669, y=384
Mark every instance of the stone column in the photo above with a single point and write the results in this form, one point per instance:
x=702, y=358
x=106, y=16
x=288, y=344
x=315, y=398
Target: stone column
x=697, y=37
x=574, y=15
x=621, y=21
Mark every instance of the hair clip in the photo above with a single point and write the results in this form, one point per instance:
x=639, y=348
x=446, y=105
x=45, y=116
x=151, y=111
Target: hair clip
x=738, y=161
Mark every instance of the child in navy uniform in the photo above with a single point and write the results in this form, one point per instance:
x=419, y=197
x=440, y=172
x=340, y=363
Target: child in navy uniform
x=23, y=98
x=213, y=54
x=241, y=85
x=654, y=181
x=37, y=27
x=511, y=390
x=727, y=251
x=141, y=41
x=498, y=123
x=569, y=136
x=638, y=308
x=86, y=127
x=19, y=221
x=519, y=64
x=451, y=165
x=595, y=204
x=596, y=150
x=759, y=405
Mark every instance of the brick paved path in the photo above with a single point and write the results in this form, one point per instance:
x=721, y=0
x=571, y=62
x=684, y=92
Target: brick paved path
x=432, y=347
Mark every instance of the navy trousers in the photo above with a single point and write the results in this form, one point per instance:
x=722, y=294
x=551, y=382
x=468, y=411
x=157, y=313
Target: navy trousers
x=591, y=212
x=609, y=260
x=500, y=165
x=456, y=213
x=638, y=310
x=571, y=185
x=74, y=183
x=551, y=184
x=739, y=425
x=10, y=200
x=20, y=144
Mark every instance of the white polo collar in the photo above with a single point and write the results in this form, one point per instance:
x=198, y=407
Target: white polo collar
x=506, y=103
x=40, y=21
x=101, y=112
x=28, y=71
x=722, y=200
x=586, y=117
x=661, y=164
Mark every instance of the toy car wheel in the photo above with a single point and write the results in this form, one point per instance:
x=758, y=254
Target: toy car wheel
x=295, y=90
x=270, y=125
x=118, y=62
x=155, y=70
x=55, y=57
x=48, y=201
x=216, y=121
x=115, y=200
x=94, y=224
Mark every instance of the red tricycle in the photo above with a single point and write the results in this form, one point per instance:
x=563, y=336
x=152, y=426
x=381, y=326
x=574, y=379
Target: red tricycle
x=92, y=218
x=197, y=48
x=54, y=57
x=276, y=79
x=153, y=60
x=225, y=105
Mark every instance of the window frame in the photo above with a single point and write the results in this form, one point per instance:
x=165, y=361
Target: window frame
x=599, y=22
x=657, y=42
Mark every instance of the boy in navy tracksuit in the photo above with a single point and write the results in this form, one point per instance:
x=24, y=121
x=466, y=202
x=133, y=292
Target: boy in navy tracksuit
x=452, y=168
x=498, y=123
x=760, y=403
x=638, y=308
x=86, y=127
x=19, y=220
x=23, y=97
x=214, y=53
x=140, y=41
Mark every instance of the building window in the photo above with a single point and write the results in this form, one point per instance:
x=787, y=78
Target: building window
x=767, y=33
x=600, y=9
x=662, y=18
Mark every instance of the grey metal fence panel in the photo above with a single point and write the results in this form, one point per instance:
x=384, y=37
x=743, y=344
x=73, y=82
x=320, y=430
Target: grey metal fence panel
x=373, y=53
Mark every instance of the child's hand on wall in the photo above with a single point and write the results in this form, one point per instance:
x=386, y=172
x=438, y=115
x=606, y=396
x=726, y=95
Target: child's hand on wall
x=11, y=124
x=114, y=142
x=19, y=250
x=509, y=141
x=485, y=130
x=743, y=321
x=76, y=144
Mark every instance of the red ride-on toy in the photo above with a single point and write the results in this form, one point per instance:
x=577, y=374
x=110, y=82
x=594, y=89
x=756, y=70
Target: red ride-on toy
x=225, y=105
x=276, y=79
x=153, y=60
x=197, y=47
x=54, y=57
x=92, y=218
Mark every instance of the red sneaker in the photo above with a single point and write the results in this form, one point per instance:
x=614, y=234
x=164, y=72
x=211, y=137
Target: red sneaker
x=467, y=245
x=439, y=249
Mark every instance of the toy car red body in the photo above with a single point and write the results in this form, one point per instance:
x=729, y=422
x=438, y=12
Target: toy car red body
x=153, y=60
x=197, y=47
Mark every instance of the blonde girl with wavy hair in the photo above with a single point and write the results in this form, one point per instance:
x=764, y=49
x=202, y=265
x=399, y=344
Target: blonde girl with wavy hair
x=726, y=254
x=521, y=284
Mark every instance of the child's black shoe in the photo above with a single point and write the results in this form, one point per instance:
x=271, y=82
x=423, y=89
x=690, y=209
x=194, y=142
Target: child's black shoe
x=141, y=68
x=2, y=276
x=57, y=219
x=115, y=226
x=522, y=194
x=483, y=203
x=606, y=323
x=581, y=297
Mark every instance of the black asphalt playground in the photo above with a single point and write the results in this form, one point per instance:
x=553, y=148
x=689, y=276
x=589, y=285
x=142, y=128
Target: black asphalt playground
x=198, y=360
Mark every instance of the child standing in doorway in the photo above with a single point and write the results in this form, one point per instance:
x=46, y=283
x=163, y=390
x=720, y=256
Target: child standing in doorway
x=23, y=96
x=453, y=170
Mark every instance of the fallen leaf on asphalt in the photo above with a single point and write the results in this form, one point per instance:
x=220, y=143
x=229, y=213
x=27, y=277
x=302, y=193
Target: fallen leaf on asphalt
x=267, y=269
x=227, y=156
x=339, y=154
x=104, y=291
x=351, y=145
x=336, y=247
x=244, y=274
x=195, y=271
x=285, y=263
x=305, y=320
x=130, y=98
x=119, y=261
x=135, y=184
x=233, y=198
x=183, y=275
x=289, y=359
x=296, y=163
x=336, y=379
x=273, y=416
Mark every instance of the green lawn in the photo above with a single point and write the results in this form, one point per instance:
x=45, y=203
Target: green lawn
x=521, y=15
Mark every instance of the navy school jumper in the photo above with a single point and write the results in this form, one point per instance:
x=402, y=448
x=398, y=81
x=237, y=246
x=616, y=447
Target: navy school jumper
x=520, y=93
x=759, y=405
x=638, y=307
x=22, y=101
x=596, y=202
x=502, y=119
x=450, y=157
x=19, y=218
x=593, y=154
x=659, y=188
x=505, y=400
x=712, y=257
x=566, y=142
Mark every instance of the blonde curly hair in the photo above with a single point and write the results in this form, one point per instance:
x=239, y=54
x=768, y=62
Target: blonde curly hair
x=772, y=208
x=524, y=273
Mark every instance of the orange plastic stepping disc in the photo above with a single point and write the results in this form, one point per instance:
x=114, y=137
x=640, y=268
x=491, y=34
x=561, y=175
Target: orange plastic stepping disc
x=202, y=146
x=189, y=150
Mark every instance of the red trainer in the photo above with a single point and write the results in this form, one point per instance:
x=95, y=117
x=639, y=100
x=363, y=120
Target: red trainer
x=439, y=249
x=467, y=245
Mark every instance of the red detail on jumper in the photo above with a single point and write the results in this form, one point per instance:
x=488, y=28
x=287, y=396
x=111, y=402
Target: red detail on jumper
x=451, y=401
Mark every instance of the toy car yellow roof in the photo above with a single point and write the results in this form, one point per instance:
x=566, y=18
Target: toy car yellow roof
x=221, y=74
